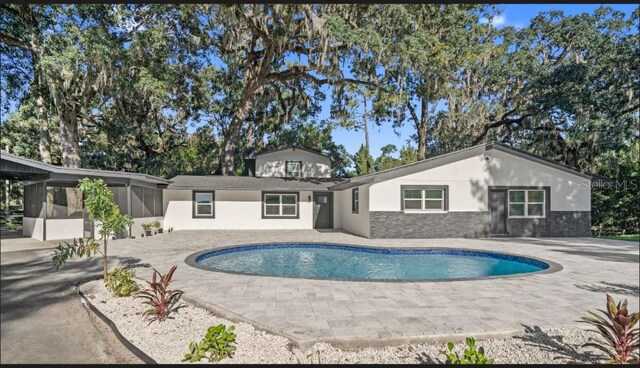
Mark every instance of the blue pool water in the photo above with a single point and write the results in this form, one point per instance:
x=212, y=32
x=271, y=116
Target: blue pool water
x=333, y=261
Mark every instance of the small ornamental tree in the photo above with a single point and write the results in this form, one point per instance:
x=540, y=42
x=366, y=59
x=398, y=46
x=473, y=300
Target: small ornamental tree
x=105, y=214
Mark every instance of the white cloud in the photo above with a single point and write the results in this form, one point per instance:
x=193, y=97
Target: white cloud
x=499, y=20
x=496, y=21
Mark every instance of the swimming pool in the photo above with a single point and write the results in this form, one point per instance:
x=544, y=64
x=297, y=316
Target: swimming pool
x=348, y=262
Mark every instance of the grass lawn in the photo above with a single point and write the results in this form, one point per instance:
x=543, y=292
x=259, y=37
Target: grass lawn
x=627, y=237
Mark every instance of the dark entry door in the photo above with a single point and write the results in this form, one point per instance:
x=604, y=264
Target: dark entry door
x=322, y=210
x=497, y=206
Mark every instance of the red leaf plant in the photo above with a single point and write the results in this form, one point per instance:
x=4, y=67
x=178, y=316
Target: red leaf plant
x=162, y=300
x=620, y=340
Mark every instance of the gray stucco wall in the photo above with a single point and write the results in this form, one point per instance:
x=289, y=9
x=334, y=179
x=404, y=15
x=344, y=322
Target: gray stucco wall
x=397, y=224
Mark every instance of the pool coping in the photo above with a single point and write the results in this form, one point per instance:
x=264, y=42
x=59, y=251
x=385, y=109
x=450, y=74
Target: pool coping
x=191, y=260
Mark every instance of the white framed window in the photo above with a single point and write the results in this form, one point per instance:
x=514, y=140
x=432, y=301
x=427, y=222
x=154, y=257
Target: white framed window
x=424, y=199
x=203, y=204
x=280, y=205
x=355, y=200
x=294, y=169
x=529, y=203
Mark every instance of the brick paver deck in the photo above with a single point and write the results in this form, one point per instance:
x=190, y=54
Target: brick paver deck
x=352, y=314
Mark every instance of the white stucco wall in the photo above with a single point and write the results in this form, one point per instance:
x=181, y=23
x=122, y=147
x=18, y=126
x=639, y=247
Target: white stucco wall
x=64, y=229
x=234, y=209
x=356, y=223
x=568, y=192
x=469, y=180
x=337, y=210
x=32, y=227
x=274, y=164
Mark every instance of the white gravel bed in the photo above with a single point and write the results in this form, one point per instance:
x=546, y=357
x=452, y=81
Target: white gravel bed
x=167, y=342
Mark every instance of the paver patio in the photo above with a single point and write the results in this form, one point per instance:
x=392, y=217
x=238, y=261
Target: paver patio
x=352, y=314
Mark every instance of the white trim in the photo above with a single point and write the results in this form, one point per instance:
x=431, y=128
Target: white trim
x=526, y=203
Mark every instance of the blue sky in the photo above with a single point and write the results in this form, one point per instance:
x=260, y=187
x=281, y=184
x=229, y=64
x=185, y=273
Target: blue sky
x=515, y=15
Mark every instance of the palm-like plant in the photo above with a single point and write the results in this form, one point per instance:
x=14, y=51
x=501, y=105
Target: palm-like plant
x=162, y=300
x=620, y=340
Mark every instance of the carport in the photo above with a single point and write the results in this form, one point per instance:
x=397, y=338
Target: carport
x=53, y=206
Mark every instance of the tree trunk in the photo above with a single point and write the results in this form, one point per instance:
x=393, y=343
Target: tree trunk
x=69, y=137
x=249, y=141
x=44, y=144
x=105, y=274
x=369, y=166
x=227, y=159
x=422, y=131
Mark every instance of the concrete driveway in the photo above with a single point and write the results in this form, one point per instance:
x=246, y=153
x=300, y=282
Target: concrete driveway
x=42, y=319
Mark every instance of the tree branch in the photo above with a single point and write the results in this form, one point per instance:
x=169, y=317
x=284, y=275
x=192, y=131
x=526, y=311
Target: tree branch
x=15, y=42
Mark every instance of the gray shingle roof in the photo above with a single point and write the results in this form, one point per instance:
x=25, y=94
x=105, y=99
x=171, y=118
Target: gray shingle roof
x=79, y=171
x=248, y=183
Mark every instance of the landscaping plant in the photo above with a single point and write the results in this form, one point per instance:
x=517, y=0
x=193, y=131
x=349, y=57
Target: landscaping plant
x=156, y=225
x=78, y=248
x=122, y=282
x=146, y=228
x=471, y=355
x=162, y=300
x=620, y=341
x=105, y=213
x=217, y=344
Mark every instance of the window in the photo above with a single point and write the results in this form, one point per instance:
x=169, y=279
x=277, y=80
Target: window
x=355, y=200
x=294, y=169
x=526, y=203
x=424, y=198
x=280, y=205
x=203, y=204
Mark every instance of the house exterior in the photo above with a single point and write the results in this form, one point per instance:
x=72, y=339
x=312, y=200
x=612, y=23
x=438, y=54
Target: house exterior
x=485, y=190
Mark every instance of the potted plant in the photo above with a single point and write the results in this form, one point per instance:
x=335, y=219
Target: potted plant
x=147, y=229
x=157, y=226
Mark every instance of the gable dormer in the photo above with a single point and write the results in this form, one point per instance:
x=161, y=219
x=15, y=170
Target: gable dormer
x=293, y=162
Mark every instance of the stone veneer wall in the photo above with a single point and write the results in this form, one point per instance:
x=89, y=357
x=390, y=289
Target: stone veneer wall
x=397, y=224
x=569, y=223
x=557, y=223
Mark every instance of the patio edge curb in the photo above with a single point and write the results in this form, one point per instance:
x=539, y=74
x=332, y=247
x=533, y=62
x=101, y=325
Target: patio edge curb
x=128, y=344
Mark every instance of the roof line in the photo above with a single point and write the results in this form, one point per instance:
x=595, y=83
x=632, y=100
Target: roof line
x=369, y=178
x=294, y=147
x=538, y=158
x=72, y=170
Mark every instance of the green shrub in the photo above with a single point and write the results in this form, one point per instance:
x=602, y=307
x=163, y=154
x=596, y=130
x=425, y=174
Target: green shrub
x=217, y=344
x=471, y=355
x=155, y=224
x=146, y=227
x=121, y=282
